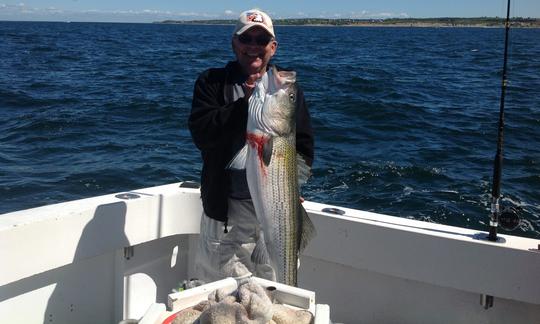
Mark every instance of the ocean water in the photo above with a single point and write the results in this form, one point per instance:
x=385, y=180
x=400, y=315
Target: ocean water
x=405, y=119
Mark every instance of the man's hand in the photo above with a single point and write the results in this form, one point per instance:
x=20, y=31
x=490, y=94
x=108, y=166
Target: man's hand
x=249, y=85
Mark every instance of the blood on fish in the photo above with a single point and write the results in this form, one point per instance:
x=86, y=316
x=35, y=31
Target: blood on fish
x=258, y=142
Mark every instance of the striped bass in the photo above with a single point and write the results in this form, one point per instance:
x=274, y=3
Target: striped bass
x=272, y=168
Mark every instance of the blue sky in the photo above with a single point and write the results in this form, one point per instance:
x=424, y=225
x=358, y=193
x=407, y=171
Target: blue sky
x=155, y=10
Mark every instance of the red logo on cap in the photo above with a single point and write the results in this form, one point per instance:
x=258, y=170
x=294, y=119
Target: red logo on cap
x=254, y=17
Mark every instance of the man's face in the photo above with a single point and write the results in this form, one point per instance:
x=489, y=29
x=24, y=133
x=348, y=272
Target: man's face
x=253, y=50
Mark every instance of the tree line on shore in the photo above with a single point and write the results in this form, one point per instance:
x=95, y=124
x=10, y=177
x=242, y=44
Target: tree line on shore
x=445, y=22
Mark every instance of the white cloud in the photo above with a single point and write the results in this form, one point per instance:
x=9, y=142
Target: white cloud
x=23, y=11
x=150, y=12
x=366, y=14
x=54, y=10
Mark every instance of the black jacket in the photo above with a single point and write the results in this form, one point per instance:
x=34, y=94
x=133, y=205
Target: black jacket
x=218, y=128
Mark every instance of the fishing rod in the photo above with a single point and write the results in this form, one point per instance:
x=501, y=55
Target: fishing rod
x=497, y=168
x=508, y=218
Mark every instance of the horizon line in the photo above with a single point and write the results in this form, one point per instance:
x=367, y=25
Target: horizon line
x=275, y=19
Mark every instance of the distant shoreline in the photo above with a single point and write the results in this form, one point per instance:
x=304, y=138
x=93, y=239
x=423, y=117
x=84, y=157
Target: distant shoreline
x=484, y=22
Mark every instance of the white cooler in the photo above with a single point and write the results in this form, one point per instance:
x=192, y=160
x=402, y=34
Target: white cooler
x=293, y=297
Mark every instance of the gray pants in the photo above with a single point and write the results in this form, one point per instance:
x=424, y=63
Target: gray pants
x=222, y=255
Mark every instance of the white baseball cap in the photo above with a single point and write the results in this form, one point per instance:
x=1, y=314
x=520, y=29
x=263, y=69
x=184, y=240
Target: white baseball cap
x=252, y=18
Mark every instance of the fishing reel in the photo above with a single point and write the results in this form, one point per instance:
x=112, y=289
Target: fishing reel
x=509, y=218
x=505, y=217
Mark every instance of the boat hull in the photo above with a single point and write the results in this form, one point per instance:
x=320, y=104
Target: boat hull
x=104, y=259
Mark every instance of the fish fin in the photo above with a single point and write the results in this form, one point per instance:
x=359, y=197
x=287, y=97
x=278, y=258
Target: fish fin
x=304, y=170
x=239, y=160
x=267, y=151
x=308, y=231
x=260, y=252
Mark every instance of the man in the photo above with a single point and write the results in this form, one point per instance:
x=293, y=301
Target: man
x=218, y=121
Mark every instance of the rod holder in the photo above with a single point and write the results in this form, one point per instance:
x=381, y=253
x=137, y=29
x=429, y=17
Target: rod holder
x=486, y=301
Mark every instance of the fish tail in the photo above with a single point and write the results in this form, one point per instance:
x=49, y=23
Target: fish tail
x=307, y=229
x=260, y=253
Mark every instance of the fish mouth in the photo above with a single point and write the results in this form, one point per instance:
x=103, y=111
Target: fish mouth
x=287, y=75
x=284, y=78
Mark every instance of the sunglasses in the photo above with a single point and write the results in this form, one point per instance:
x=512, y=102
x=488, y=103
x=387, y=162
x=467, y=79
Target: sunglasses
x=261, y=40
